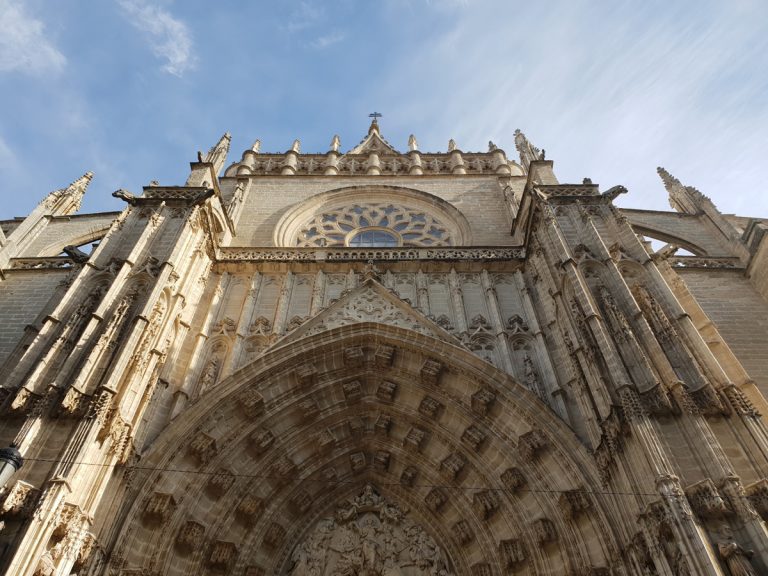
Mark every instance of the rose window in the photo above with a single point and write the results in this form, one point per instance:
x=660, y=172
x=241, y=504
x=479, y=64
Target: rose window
x=374, y=225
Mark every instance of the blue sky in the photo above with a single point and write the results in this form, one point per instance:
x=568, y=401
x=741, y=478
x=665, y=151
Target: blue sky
x=131, y=89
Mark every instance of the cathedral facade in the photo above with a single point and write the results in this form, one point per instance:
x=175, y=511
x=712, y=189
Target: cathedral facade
x=382, y=363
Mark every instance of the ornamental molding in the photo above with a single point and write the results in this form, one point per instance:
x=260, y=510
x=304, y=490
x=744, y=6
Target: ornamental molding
x=483, y=254
x=705, y=262
x=42, y=263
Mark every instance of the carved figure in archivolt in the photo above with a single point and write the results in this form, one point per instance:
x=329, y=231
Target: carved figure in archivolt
x=368, y=536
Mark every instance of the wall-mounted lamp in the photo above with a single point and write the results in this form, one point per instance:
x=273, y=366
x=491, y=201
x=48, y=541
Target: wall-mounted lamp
x=10, y=462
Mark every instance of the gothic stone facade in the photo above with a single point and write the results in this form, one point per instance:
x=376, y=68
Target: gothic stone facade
x=384, y=363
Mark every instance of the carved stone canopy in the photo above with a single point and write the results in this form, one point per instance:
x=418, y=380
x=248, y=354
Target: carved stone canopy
x=368, y=536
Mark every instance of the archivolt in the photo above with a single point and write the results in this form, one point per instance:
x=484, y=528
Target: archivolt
x=278, y=443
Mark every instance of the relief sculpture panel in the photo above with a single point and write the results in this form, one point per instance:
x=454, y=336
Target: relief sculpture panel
x=369, y=536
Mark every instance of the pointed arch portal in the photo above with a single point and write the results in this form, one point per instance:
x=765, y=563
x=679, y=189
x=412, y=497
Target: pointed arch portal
x=245, y=480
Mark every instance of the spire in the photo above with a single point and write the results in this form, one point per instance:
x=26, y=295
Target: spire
x=218, y=154
x=682, y=198
x=68, y=200
x=528, y=152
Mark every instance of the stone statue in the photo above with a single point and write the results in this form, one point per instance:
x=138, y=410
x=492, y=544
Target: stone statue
x=209, y=374
x=451, y=145
x=491, y=146
x=296, y=146
x=412, y=144
x=737, y=559
x=256, y=146
x=335, y=143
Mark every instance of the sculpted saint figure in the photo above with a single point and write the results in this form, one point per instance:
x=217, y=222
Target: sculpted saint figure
x=737, y=559
x=412, y=144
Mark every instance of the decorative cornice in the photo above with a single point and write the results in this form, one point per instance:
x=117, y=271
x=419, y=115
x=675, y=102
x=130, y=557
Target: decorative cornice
x=234, y=254
x=42, y=263
x=705, y=262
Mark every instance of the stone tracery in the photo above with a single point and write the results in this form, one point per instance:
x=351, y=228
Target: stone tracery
x=413, y=226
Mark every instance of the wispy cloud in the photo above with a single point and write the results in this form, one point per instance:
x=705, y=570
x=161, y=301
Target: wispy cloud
x=24, y=46
x=304, y=15
x=169, y=37
x=327, y=40
x=6, y=154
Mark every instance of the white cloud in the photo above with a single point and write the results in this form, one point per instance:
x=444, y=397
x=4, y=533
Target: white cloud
x=304, y=15
x=170, y=38
x=6, y=154
x=682, y=88
x=327, y=40
x=24, y=46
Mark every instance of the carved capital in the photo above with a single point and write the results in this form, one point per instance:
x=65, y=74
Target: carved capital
x=202, y=448
x=462, y=532
x=485, y=503
x=357, y=461
x=301, y=502
x=544, y=531
x=430, y=407
x=354, y=356
x=512, y=553
x=482, y=401
x=384, y=356
x=252, y=402
x=513, y=479
x=20, y=500
x=381, y=460
x=474, y=437
x=431, y=371
x=260, y=441
x=531, y=444
x=706, y=500
x=190, y=537
x=757, y=492
x=453, y=465
x=309, y=409
x=573, y=503
x=222, y=556
x=159, y=508
x=482, y=569
x=220, y=483
x=274, y=535
x=386, y=391
x=249, y=509
x=306, y=374
x=352, y=390
x=408, y=477
x=383, y=424
x=415, y=438
x=436, y=499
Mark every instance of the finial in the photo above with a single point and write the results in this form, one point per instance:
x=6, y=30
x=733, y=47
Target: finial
x=296, y=146
x=335, y=143
x=256, y=146
x=451, y=145
x=412, y=144
x=528, y=152
x=667, y=178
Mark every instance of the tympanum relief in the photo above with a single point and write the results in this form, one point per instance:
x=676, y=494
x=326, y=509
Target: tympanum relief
x=368, y=536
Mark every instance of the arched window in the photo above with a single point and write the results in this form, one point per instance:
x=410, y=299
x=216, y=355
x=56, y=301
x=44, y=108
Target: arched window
x=373, y=237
